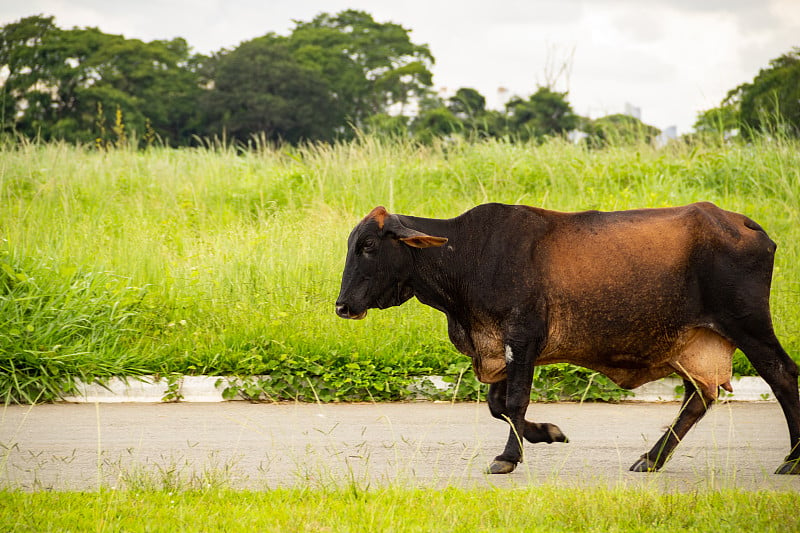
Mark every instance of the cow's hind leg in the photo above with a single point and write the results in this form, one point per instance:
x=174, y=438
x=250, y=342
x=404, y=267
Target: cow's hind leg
x=694, y=407
x=779, y=371
x=743, y=317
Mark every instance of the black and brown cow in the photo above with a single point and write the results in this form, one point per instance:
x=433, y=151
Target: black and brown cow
x=636, y=295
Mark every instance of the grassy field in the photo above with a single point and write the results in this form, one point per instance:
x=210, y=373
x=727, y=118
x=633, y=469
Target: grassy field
x=217, y=261
x=528, y=509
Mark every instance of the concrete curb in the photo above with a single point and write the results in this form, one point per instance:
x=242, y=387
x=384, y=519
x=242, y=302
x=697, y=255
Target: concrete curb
x=149, y=389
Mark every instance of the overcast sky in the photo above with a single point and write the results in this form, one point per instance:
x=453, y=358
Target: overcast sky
x=671, y=58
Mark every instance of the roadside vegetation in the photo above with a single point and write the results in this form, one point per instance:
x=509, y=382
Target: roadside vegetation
x=220, y=261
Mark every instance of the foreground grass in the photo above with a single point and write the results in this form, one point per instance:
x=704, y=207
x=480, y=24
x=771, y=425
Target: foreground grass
x=214, y=261
x=546, y=508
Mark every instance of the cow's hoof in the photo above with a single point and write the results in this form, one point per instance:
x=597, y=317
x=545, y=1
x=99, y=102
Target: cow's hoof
x=556, y=435
x=501, y=467
x=789, y=467
x=548, y=433
x=644, y=465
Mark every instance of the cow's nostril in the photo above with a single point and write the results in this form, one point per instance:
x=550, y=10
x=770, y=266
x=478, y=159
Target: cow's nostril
x=344, y=311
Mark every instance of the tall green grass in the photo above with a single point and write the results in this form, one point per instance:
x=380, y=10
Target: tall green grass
x=221, y=261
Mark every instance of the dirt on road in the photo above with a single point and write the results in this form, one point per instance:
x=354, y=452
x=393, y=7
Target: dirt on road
x=261, y=446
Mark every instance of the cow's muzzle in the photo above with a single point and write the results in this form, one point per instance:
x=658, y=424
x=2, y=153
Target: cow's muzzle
x=344, y=311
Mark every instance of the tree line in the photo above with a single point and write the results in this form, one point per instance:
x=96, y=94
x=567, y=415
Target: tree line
x=330, y=78
x=768, y=105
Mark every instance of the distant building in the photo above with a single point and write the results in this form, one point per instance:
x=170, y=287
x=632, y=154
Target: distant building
x=633, y=111
x=668, y=134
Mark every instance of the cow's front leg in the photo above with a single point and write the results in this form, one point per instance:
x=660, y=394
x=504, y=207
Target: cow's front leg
x=519, y=369
x=534, y=431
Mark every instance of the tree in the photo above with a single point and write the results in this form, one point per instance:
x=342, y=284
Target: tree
x=389, y=126
x=154, y=83
x=369, y=66
x=467, y=103
x=469, y=106
x=435, y=123
x=29, y=55
x=261, y=87
x=771, y=103
x=545, y=113
x=721, y=122
x=619, y=129
x=64, y=83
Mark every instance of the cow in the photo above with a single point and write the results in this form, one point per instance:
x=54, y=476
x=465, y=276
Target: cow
x=636, y=295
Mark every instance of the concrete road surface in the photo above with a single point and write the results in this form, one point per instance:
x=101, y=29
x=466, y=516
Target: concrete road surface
x=260, y=446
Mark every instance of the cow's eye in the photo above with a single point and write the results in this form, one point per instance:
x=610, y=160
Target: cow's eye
x=369, y=245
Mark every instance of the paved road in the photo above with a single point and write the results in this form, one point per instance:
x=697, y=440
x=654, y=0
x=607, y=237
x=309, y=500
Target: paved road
x=243, y=445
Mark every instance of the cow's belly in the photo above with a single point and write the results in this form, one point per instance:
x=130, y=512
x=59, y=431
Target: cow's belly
x=697, y=354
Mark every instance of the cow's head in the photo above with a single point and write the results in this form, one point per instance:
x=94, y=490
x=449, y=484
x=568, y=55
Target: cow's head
x=379, y=264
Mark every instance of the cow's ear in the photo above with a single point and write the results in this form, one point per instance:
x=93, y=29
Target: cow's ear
x=411, y=237
x=424, y=241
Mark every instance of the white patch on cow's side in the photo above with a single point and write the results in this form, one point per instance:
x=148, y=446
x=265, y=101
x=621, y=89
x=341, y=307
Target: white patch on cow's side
x=509, y=354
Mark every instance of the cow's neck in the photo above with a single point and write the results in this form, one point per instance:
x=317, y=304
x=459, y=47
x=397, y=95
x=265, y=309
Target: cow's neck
x=439, y=278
